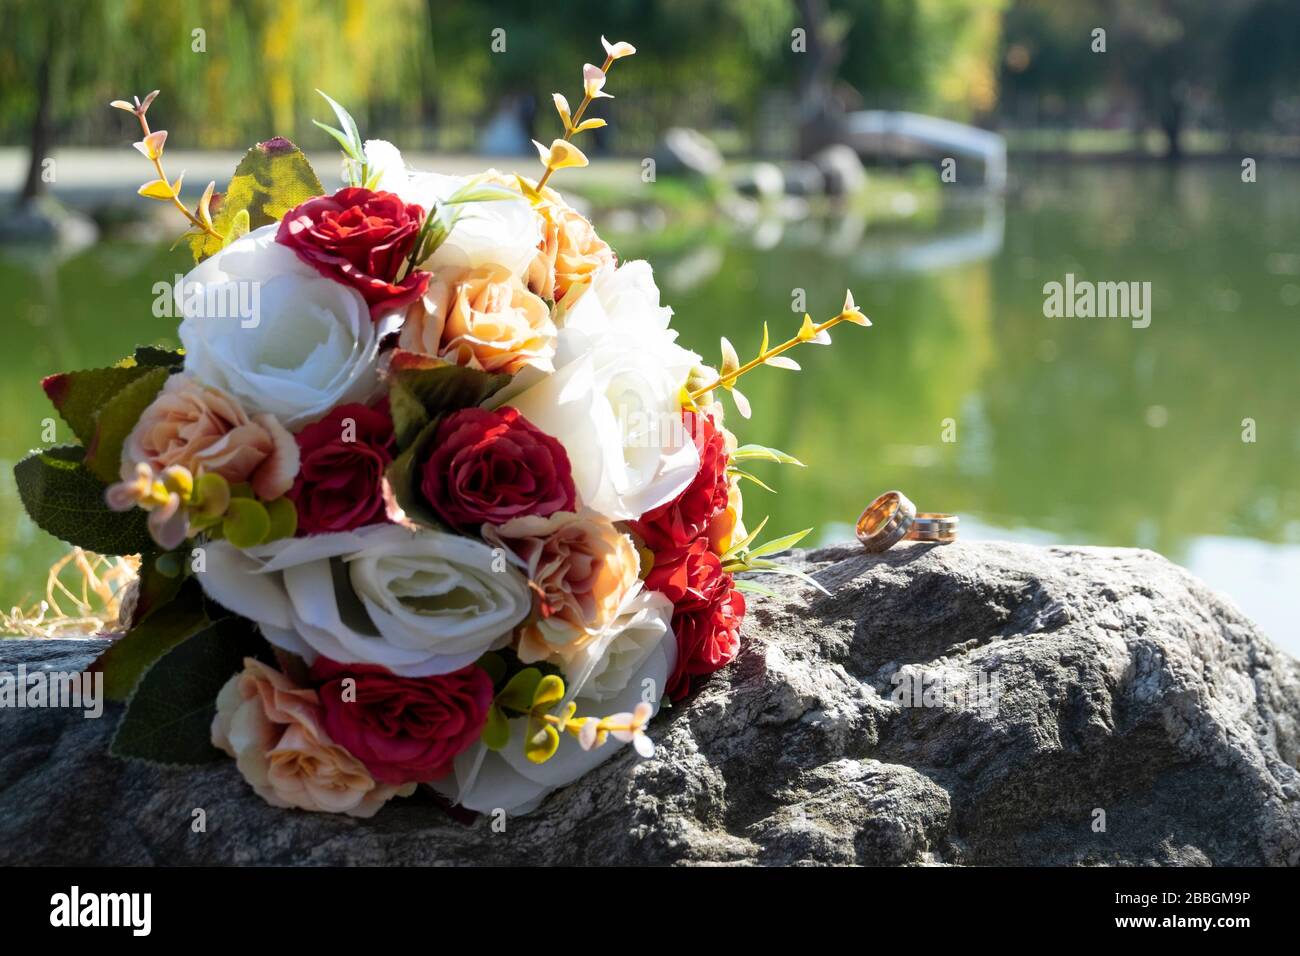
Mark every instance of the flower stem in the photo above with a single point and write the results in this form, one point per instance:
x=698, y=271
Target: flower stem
x=176, y=200
x=730, y=377
x=574, y=121
x=564, y=724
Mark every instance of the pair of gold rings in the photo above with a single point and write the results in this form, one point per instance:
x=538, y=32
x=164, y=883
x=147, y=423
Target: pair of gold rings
x=892, y=518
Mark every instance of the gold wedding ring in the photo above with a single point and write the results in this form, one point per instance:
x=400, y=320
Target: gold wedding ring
x=886, y=521
x=892, y=518
x=931, y=526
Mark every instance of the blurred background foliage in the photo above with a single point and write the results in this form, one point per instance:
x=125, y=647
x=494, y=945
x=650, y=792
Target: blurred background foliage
x=425, y=71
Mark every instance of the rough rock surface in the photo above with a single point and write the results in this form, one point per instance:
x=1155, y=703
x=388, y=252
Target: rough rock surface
x=1123, y=685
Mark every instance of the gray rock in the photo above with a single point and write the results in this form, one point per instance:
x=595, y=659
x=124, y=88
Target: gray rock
x=683, y=151
x=842, y=168
x=1114, y=682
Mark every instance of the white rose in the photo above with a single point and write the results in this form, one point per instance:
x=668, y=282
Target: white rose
x=605, y=667
x=610, y=664
x=504, y=232
x=639, y=659
x=614, y=401
x=625, y=297
x=387, y=168
x=306, y=345
x=418, y=603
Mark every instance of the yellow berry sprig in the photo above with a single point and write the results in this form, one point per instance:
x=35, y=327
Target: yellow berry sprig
x=562, y=154
x=731, y=369
x=162, y=188
x=535, y=696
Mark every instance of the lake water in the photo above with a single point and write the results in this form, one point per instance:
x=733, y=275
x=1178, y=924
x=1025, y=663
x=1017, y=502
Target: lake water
x=1182, y=436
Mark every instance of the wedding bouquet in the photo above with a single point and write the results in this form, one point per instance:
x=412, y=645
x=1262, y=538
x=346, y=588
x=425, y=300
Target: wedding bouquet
x=431, y=495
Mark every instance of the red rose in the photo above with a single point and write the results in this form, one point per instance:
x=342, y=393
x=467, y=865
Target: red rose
x=707, y=611
x=494, y=466
x=686, y=517
x=343, y=457
x=403, y=729
x=690, y=577
x=359, y=238
x=707, y=639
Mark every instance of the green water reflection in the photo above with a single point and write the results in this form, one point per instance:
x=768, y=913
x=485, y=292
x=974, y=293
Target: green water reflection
x=1088, y=430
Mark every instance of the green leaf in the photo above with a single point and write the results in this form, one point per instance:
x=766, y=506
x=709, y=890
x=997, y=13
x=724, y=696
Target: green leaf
x=247, y=523
x=66, y=500
x=496, y=732
x=115, y=421
x=417, y=396
x=238, y=228
x=168, y=718
x=349, y=140
x=159, y=580
x=543, y=740
x=339, y=137
x=741, y=473
x=78, y=396
x=749, y=587
x=170, y=565
x=548, y=693
x=777, y=545
x=155, y=357
x=402, y=481
x=189, y=235
x=740, y=546
x=519, y=691
x=130, y=656
x=271, y=179
x=209, y=501
x=475, y=191
x=507, y=663
x=763, y=453
x=494, y=664
x=770, y=567
x=349, y=126
x=433, y=233
x=283, y=514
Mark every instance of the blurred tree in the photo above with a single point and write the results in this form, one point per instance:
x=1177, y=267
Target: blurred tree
x=426, y=71
x=231, y=71
x=1263, y=68
x=1047, y=54
x=1172, y=53
x=696, y=59
x=1225, y=63
x=938, y=55
x=820, y=111
x=930, y=55
x=41, y=70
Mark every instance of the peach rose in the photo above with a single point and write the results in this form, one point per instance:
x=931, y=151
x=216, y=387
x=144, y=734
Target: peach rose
x=729, y=526
x=726, y=527
x=273, y=730
x=570, y=252
x=203, y=429
x=482, y=319
x=582, y=570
